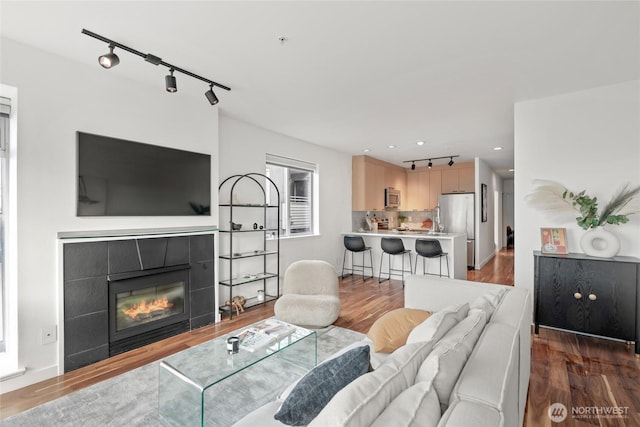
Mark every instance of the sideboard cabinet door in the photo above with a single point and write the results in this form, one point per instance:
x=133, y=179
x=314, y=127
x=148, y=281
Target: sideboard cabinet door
x=587, y=295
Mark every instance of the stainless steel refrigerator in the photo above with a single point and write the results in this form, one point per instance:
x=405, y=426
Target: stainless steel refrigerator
x=457, y=215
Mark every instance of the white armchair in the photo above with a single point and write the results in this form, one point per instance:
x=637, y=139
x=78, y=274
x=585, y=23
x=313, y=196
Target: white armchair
x=310, y=295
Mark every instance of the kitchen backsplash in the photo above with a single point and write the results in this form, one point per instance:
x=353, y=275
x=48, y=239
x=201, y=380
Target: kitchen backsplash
x=414, y=219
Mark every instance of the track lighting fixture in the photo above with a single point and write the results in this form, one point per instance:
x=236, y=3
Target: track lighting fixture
x=213, y=99
x=170, y=82
x=111, y=60
x=430, y=164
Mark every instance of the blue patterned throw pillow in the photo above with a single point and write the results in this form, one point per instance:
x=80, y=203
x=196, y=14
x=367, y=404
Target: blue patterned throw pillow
x=315, y=390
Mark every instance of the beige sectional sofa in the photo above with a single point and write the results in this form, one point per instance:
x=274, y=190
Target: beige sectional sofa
x=468, y=364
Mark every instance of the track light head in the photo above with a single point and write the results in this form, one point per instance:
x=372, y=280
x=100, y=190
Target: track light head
x=170, y=82
x=213, y=99
x=450, y=162
x=413, y=166
x=430, y=165
x=110, y=59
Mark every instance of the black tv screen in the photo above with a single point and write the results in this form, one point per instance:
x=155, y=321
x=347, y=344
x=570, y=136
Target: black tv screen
x=125, y=178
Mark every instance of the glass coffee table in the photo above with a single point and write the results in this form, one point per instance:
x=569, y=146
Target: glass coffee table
x=186, y=378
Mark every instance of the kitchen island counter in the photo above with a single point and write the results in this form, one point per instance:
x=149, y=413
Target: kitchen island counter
x=452, y=243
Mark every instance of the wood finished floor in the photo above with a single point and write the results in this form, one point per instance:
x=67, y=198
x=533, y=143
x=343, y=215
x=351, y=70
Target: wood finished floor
x=569, y=369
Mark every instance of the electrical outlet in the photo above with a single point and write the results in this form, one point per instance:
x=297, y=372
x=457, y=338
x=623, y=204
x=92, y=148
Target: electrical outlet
x=49, y=334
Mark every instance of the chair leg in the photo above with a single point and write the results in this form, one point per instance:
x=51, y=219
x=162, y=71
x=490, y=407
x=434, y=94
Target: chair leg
x=380, y=271
x=352, y=266
x=447, y=261
x=370, y=259
x=344, y=258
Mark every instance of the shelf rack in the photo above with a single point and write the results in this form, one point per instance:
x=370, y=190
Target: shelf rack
x=270, y=238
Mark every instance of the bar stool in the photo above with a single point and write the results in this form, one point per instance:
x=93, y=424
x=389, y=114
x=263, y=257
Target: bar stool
x=430, y=248
x=394, y=246
x=355, y=244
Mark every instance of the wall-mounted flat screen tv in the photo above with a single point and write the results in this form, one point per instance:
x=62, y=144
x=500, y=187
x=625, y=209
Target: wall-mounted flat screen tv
x=125, y=178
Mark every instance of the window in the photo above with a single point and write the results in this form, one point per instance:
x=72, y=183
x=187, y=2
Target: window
x=296, y=181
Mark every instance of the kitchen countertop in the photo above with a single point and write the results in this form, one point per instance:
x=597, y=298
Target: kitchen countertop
x=415, y=234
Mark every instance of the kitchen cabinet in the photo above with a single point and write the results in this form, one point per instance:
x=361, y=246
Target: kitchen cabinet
x=369, y=179
x=374, y=187
x=396, y=177
x=418, y=190
x=588, y=295
x=435, y=187
x=467, y=180
x=458, y=180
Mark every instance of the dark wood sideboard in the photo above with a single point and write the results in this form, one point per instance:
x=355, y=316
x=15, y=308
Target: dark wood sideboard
x=588, y=295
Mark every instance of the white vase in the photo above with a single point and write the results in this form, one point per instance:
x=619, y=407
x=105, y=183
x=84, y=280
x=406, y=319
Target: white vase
x=599, y=242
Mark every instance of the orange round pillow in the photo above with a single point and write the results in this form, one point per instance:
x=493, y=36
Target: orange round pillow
x=391, y=330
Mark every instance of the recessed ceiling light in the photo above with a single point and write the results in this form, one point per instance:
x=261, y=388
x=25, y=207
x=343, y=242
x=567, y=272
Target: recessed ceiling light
x=497, y=148
x=420, y=142
x=392, y=146
x=366, y=150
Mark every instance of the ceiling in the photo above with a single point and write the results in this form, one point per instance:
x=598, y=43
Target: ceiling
x=358, y=75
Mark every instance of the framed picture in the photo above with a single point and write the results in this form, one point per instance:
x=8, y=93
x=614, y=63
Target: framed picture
x=553, y=240
x=483, y=199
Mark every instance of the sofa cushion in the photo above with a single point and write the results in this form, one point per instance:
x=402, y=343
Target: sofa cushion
x=317, y=388
x=449, y=355
x=362, y=401
x=462, y=413
x=438, y=324
x=490, y=376
x=417, y=406
x=515, y=310
x=390, y=331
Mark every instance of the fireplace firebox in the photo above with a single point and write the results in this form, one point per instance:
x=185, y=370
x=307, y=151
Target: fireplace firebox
x=148, y=305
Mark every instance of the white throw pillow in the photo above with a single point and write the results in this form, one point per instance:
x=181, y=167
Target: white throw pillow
x=417, y=406
x=488, y=302
x=438, y=324
x=445, y=362
x=360, y=403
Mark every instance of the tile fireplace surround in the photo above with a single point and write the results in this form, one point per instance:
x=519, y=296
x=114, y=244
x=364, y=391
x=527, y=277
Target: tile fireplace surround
x=93, y=262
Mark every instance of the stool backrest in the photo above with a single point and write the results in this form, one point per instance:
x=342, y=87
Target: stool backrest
x=428, y=247
x=392, y=245
x=354, y=243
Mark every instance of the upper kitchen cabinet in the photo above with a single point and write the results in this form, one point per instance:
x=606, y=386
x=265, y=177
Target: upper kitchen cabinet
x=417, y=197
x=369, y=179
x=396, y=177
x=435, y=187
x=459, y=178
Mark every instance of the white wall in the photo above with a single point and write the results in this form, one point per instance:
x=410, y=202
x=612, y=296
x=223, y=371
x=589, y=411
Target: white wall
x=587, y=140
x=486, y=246
x=243, y=149
x=58, y=97
x=507, y=209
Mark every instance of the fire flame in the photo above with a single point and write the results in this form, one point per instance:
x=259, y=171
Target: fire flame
x=144, y=309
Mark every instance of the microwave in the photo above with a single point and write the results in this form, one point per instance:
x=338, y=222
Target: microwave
x=391, y=198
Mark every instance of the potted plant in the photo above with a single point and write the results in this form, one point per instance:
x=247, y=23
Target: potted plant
x=597, y=241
